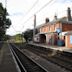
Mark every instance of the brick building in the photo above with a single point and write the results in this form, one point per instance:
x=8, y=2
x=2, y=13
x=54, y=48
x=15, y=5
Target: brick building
x=54, y=32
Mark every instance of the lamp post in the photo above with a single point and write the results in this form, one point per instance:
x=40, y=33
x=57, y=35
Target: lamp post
x=34, y=27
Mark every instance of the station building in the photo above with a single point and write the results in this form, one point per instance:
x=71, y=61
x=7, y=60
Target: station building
x=57, y=32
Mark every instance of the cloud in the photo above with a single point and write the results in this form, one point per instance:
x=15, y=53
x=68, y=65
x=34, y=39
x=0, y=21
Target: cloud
x=63, y=1
x=17, y=14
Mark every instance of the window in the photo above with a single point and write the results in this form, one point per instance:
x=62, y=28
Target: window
x=58, y=30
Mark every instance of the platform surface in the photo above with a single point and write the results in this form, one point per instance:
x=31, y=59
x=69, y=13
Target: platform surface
x=7, y=63
x=60, y=48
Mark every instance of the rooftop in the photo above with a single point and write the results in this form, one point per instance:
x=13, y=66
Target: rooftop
x=63, y=20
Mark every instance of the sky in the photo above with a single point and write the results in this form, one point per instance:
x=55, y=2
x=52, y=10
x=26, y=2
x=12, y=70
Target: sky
x=21, y=12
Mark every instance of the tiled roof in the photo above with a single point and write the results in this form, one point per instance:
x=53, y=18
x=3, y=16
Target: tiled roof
x=63, y=20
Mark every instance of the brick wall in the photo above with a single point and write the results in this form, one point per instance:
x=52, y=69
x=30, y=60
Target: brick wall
x=66, y=27
x=50, y=27
x=53, y=27
x=44, y=29
x=58, y=25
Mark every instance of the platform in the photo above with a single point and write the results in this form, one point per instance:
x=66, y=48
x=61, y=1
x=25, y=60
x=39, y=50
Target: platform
x=7, y=63
x=53, y=47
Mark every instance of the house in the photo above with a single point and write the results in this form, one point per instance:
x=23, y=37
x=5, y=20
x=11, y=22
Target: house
x=52, y=32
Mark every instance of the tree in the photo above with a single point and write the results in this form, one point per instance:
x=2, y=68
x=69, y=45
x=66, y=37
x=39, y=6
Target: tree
x=4, y=22
x=28, y=34
x=8, y=23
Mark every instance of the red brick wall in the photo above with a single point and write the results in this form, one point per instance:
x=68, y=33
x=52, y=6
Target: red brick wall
x=44, y=28
x=66, y=27
x=50, y=27
x=58, y=25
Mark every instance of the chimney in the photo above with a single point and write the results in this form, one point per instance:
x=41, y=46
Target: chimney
x=55, y=17
x=69, y=14
x=47, y=20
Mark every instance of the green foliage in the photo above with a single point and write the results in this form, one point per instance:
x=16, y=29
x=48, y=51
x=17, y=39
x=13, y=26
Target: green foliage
x=19, y=38
x=4, y=22
x=1, y=9
x=6, y=37
x=28, y=35
x=8, y=23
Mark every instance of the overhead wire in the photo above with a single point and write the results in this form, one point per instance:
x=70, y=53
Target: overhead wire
x=32, y=7
x=35, y=3
x=44, y=6
x=35, y=12
x=14, y=28
x=6, y=8
x=28, y=11
x=38, y=11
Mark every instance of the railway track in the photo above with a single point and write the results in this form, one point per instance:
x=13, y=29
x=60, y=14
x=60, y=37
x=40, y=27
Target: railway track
x=62, y=59
x=25, y=64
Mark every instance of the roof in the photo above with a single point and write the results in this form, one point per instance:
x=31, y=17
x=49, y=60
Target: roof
x=63, y=20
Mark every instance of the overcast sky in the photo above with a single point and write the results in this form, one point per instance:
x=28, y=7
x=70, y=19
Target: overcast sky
x=21, y=12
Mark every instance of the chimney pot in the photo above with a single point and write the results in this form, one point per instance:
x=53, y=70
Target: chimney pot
x=47, y=20
x=69, y=14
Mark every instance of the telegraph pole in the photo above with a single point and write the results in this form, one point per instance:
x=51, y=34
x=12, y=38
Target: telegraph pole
x=34, y=26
